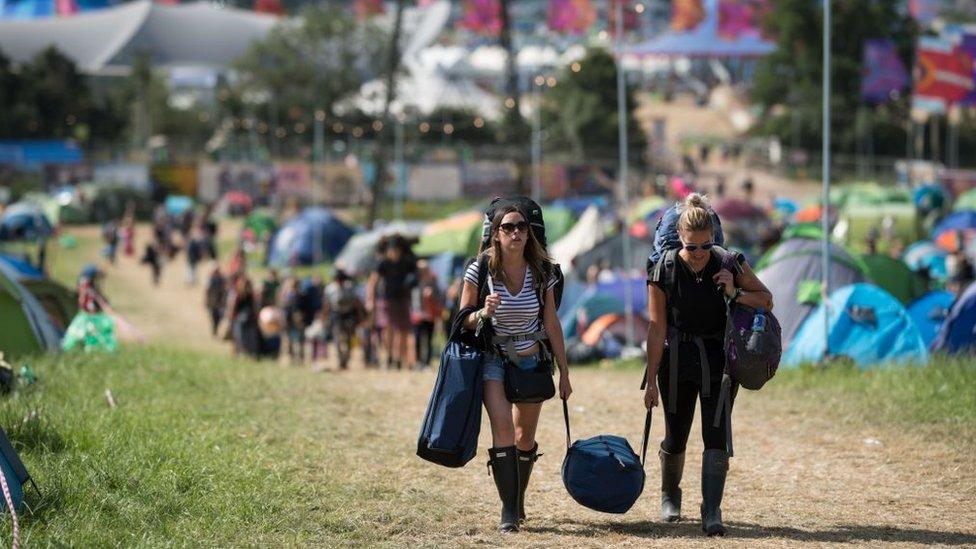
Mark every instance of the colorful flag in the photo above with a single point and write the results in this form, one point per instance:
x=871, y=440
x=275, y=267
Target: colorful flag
x=571, y=16
x=66, y=7
x=631, y=19
x=943, y=71
x=368, y=8
x=967, y=44
x=882, y=72
x=269, y=6
x=924, y=11
x=741, y=18
x=686, y=15
x=482, y=16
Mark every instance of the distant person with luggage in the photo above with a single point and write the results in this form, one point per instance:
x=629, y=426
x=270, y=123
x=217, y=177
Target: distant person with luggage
x=428, y=308
x=509, y=291
x=345, y=312
x=687, y=291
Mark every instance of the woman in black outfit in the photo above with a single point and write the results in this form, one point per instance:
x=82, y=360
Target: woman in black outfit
x=691, y=317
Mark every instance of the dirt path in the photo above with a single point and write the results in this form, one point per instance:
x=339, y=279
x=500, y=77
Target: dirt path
x=801, y=476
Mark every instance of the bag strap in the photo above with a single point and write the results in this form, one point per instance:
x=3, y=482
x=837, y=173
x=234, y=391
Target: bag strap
x=566, y=419
x=644, y=440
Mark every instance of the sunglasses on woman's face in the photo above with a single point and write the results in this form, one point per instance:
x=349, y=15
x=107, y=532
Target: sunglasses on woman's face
x=692, y=247
x=510, y=228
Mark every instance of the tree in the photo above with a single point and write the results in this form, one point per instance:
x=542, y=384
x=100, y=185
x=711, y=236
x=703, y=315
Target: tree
x=580, y=112
x=314, y=64
x=788, y=82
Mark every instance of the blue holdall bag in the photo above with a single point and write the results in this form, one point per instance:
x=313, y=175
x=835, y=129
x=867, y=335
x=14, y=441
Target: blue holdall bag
x=449, y=434
x=603, y=473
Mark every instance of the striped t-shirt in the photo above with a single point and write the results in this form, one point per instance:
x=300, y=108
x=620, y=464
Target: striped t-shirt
x=518, y=314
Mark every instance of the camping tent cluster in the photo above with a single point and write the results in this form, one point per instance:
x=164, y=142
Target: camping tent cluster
x=890, y=256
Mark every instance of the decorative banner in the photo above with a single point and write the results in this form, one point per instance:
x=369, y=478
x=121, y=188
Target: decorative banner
x=269, y=6
x=631, y=19
x=368, y=8
x=686, y=15
x=943, y=73
x=924, y=11
x=882, y=72
x=482, y=16
x=293, y=178
x=571, y=16
x=66, y=7
x=741, y=18
x=967, y=44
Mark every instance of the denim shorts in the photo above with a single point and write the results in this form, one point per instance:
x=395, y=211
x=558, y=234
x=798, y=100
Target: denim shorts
x=494, y=369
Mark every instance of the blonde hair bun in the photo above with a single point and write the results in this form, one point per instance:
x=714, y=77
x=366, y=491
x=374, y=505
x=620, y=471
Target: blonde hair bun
x=696, y=215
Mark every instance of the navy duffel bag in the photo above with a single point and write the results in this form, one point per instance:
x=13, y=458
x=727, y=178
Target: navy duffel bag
x=604, y=473
x=449, y=435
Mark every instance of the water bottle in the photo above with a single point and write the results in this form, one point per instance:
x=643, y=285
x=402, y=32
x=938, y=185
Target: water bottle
x=754, y=345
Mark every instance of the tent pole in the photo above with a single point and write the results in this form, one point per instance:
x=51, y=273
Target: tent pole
x=622, y=171
x=825, y=208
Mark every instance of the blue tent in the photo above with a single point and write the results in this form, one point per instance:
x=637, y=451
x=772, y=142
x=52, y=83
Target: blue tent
x=24, y=221
x=958, y=221
x=958, y=332
x=929, y=312
x=930, y=197
x=311, y=237
x=604, y=298
x=925, y=254
x=177, y=204
x=867, y=324
x=447, y=267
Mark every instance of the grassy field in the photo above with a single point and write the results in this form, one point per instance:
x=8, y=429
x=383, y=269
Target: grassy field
x=202, y=449
x=205, y=450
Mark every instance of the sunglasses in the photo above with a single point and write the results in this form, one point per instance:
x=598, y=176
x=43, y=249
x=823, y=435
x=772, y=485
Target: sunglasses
x=692, y=247
x=511, y=228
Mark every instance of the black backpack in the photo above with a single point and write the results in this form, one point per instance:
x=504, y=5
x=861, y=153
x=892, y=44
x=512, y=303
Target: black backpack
x=533, y=214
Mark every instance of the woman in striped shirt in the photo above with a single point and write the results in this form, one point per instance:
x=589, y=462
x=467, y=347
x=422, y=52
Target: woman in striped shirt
x=517, y=266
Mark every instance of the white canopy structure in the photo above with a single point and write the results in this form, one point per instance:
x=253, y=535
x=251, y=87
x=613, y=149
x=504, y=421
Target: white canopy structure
x=104, y=41
x=583, y=237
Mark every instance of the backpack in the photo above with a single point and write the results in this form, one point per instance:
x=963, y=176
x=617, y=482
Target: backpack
x=751, y=358
x=666, y=233
x=529, y=208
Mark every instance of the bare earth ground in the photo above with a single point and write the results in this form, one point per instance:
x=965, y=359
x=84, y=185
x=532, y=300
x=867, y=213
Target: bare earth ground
x=802, y=474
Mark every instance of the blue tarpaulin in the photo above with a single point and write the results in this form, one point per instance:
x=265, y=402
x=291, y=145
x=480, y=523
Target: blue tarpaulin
x=35, y=153
x=308, y=238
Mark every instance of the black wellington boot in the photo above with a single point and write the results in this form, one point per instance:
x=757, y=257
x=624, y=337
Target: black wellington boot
x=672, y=466
x=715, y=467
x=504, y=469
x=525, y=462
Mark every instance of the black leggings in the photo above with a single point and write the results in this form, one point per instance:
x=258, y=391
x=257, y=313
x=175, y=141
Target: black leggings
x=678, y=424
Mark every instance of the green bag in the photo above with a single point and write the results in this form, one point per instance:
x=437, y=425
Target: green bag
x=92, y=332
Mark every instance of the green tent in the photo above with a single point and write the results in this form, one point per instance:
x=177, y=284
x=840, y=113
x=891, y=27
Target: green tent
x=861, y=219
x=966, y=201
x=894, y=277
x=262, y=223
x=459, y=234
x=644, y=207
x=868, y=194
x=558, y=222
x=25, y=326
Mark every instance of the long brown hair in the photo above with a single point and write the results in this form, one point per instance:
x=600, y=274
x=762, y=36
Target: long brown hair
x=535, y=255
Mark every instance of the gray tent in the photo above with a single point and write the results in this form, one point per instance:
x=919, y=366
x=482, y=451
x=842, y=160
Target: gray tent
x=612, y=250
x=795, y=270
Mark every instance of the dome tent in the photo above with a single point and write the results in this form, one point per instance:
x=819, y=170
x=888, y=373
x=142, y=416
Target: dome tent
x=793, y=274
x=25, y=326
x=308, y=238
x=929, y=312
x=958, y=332
x=866, y=324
